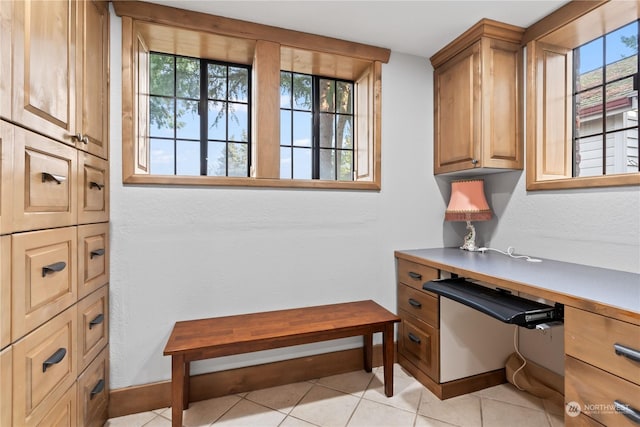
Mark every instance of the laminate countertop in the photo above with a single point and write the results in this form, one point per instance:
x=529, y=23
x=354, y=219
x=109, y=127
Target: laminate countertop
x=609, y=292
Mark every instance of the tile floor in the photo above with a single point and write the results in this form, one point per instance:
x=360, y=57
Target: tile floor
x=357, y=399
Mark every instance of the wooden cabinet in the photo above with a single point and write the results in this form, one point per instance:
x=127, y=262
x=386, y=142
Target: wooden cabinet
x=477, y=101
x=6, y=373
x=93, y=189
x=93, y=397
x=93, y=326
x=600, y=369
x=93, y=257
x=58, y=54
x=5, y=291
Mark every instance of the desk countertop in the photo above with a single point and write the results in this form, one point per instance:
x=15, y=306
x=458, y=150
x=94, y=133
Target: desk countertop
x=593, y=288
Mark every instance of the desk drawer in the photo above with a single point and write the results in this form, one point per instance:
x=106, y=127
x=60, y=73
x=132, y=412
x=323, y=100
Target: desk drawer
x=93, y=392
x=420, y=304
x=45, y=189
x=44, y=367
x=93, y=194
x=591, y=337
x=93, y=257
x=414, y=274
x=596, y=390
x=93, y=326
x=44, y=277
x=419, y=342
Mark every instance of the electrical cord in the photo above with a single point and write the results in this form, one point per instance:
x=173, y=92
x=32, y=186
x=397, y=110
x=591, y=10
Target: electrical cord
x=509, y=253
x=524, y=361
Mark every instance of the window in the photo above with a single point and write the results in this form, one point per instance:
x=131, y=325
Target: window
x=252, y=138
x=605, y=136
x=582, y=97
x=316, y=127
x=183, y=140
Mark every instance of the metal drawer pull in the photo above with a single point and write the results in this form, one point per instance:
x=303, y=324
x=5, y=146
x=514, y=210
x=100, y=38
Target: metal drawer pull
x=54, y=358
x=59, y=179
x=414, y=338
x=94, y=184
x=97, y=389
x=627, y=410
x=416, y=276
x=52, y=268
x=627, y=352
x=97, y=252
x=85, y=139
x=415, y=303
x=96, y=320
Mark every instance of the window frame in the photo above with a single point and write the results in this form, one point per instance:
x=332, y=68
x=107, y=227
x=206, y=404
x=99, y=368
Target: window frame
x=549, y=71
x=268, y=50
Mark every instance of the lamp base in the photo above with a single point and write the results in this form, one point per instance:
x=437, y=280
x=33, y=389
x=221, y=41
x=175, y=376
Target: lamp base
x=470, y=239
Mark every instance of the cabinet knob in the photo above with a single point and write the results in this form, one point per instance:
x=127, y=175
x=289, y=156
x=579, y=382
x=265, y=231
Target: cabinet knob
x=474, y=161
x=85, y=139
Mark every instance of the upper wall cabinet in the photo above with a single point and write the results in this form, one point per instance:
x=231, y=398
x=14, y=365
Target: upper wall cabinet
x=58, y=54
x=477, y=101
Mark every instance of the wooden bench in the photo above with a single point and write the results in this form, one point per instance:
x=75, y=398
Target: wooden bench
x=222, y=336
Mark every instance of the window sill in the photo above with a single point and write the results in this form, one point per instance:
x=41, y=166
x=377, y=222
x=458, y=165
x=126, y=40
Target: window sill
x=585, y=182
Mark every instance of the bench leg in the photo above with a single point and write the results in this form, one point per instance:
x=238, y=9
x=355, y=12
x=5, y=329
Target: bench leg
x=178, y=383
x=367, y=350
x=387, y=359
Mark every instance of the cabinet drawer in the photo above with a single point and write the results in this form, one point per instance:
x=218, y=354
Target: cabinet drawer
x=44, y=277
x=419, y=342
x=93, y=326
x=414, y=274
x=420, y=304
x=64, y=411
x=5, y=291
x=6, y=173
x=93, y=194
x=93, y=257
x=596, y=391
x=6, y=372
x=592, y=337
x=45, y=191
x=93, y=392
x=44, y=367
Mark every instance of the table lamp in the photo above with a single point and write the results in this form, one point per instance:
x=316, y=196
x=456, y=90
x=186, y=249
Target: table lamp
x=468, y=203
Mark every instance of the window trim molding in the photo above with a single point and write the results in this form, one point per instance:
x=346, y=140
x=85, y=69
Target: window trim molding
x=560, y=28
x=358, y=62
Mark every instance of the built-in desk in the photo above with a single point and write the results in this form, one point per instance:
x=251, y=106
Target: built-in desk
x=602, y=325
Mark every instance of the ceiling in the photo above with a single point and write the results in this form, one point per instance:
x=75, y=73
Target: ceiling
x=415, y=27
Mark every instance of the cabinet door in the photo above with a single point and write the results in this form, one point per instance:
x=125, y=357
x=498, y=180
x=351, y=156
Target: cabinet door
x=43, y=65
x=93, y=73
x=457, y=109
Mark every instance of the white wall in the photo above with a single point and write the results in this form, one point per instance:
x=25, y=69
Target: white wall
x=180, y=253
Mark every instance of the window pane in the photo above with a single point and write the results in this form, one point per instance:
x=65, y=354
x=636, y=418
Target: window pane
x=238, y=122
x=327, y=164
x=302, y=98
x=217, y=81
x=188, y=120
x=327, y=95
x=188, y=78
x=161, y=74
x=237, y=161
x=327, y=127
x=285, y=162
x=302, y=163
x=622, y=48
x=187, y=157
x=238, y=84
x=344, y=99
x=622, y=152
x=161, y=157
x=345, y=165
x=302, y=128
x=285, y=89
x=217, y=159
x=345, y=131
x=161, y=116
x=589, y=64
x=589, y=112
x=588, y=158
x=217, y=120
x=620, y=98
x=285, y=127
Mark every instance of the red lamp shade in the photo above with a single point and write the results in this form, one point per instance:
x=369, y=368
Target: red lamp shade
x=467, y=202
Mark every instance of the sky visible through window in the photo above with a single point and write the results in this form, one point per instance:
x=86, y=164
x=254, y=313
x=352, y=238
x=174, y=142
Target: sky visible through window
x=617, y=49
